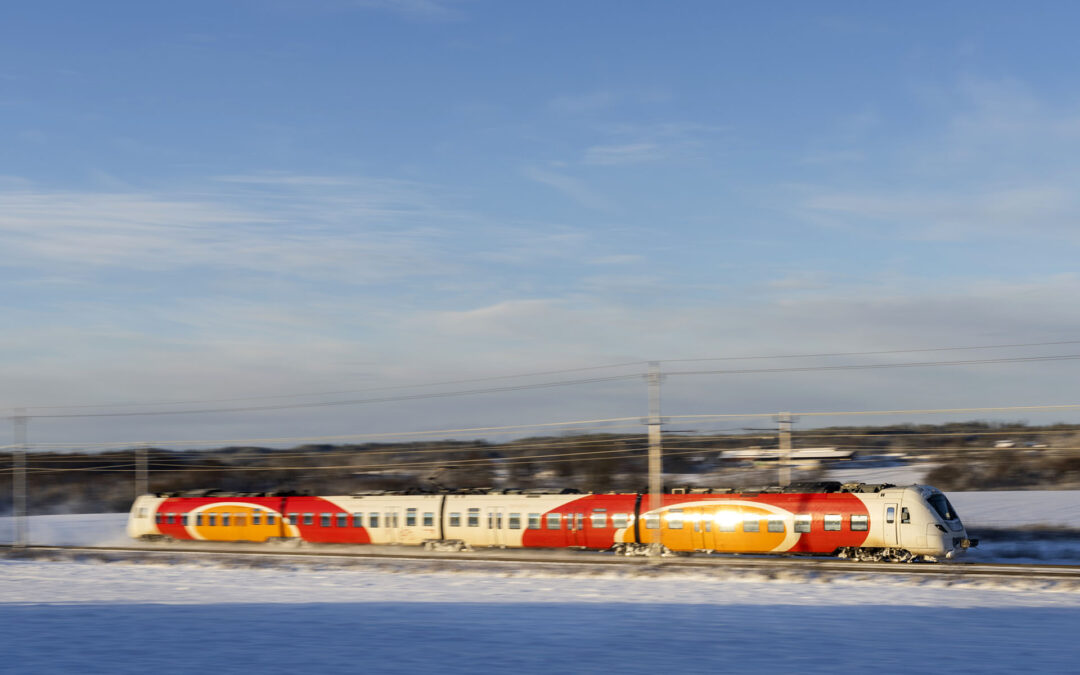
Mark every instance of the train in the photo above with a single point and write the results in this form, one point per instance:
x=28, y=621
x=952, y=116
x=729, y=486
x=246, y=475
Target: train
x=881, y=522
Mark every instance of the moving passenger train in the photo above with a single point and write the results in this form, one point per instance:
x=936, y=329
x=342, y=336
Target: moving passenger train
x=854, y=520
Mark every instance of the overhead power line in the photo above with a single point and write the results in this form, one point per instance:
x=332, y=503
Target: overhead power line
x=500, y=377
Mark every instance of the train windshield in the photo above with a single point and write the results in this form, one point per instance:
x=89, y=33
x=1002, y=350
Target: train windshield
x=942, y=506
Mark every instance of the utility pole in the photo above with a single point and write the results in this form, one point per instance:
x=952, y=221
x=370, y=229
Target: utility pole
x=656, y=470
x=785, y=449
x=18, y=484
x=142, y=472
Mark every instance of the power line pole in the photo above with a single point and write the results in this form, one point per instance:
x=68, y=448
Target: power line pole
x=142, y=472
x=656, y=470
x=18, y=485
x=785, y=448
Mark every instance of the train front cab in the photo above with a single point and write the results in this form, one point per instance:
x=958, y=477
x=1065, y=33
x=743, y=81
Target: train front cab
x=919, y=519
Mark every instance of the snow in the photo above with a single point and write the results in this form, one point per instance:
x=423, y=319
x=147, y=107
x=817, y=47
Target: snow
x=235, y=617
x=122, y=618
x=1018, y=509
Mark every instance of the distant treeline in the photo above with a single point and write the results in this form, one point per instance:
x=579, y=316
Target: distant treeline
x=964, y=454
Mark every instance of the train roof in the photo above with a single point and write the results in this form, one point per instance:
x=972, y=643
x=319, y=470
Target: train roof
x=819, y=487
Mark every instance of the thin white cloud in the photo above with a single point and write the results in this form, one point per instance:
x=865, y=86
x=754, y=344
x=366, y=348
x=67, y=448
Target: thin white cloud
x=1045, y=211
x=1002, y=166
x=358, y=233
x=573, y=188
x=582, y=103
x=619, y=155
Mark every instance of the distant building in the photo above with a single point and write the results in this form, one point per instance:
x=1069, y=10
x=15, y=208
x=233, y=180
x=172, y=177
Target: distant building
x=827, y=454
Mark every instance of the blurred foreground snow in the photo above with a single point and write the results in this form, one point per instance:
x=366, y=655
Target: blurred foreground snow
x=63, y=617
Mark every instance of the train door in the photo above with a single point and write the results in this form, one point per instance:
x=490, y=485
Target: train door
x=701, y=521
x=391, y=523
x=496, y=522
x=892, y=514
x=575, y=529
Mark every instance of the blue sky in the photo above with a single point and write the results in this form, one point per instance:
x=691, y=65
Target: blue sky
x=210, y=200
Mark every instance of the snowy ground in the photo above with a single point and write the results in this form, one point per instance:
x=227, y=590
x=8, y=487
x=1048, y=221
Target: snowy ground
x=62, y=617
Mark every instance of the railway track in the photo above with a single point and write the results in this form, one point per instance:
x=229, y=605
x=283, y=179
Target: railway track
x=561, y=562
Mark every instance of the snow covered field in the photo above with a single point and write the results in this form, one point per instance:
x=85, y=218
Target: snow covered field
x=63, y=617
x=93, y=617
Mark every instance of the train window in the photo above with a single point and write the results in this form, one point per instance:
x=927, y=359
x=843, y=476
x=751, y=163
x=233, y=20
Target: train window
x=579, y=521
x=599, y=519
x=294, y=519
x=410, y=517
x=554, y=521
x=141, y=513
x=498, y=521
x=833, y=522
x=391, y=519
x=373, y=519
x=491, y=520
x=890, y=514
x=905, y=515
x=802, y=522
x=211, y=519
x=860, y=523
x=225, y=519
x=159, y=518
x=620, y=520
x=325, y=519
x=309, y=518
x=256, y=517
x=534, y=521
x=652, y=521
x=184, y=519
x=429, y=519
x=455, y=520
x=358, y=520
x=514, y=521
x=751, y=524
x=342, y=520
x=270, y=518
x=474, y=517
x=169, y=518
x=198, y=519
x=675, y=519
x=775, y=525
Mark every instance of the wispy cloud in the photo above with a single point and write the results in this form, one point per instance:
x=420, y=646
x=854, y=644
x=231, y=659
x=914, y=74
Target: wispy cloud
x=1001, y=165
x=616, y=155
x=573, y=188
x=582, y=103
x=640, y=144
x=1045, y=211
x=351, y=230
